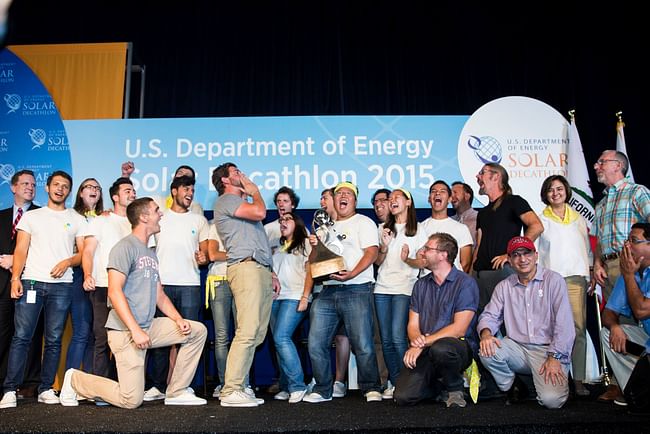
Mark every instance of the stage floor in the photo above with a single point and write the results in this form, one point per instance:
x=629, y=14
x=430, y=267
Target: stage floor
x=348, y=414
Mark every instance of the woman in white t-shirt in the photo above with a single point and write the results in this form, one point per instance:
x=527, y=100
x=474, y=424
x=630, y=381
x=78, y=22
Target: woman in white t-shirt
x=88, y=203
x=564, y=248
x=400, y=239
x=290, y=308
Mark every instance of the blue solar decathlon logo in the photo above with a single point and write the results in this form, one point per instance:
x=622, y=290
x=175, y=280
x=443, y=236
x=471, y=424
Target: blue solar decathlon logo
x=486, y=148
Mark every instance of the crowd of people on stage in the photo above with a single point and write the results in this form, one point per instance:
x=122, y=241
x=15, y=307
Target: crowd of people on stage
x=485, y=303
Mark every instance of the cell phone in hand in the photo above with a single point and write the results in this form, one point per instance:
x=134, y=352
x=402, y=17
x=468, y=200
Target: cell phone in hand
x=633, y=348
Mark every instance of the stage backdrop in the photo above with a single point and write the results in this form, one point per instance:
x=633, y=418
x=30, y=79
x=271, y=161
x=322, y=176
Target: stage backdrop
x=528, y=137
x=309, y=154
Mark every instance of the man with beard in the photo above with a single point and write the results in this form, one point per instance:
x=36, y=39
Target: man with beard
x=181, y=246
x=346, y=296
x=252, y=282
x=439, y=194
x=42, y=280
x=499, y=221
x=462, y=197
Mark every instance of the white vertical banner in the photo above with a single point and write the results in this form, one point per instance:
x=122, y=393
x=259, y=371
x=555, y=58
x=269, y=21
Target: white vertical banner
x=578, y=176
x=620, y=143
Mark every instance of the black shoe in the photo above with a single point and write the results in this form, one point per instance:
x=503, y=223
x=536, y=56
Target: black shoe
x=518, y=393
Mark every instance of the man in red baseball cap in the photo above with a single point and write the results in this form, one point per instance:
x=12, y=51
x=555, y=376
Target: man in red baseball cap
x=533, y=305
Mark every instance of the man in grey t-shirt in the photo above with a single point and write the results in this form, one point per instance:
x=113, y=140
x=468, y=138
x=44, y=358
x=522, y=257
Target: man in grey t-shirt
x=134, y=290
x=250, y=276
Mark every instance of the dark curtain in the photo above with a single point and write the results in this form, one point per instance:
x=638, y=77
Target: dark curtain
x=389, y=58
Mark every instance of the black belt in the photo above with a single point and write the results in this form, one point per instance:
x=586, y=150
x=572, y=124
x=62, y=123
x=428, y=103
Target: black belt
x=610, y=256
x=251, y=259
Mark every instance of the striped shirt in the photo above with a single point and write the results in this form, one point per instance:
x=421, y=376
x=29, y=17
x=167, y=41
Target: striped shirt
x=624, y=204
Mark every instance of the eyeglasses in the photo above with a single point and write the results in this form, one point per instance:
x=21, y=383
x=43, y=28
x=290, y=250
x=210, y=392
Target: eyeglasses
x=379, y=200
x=427, y=248
x=483, y=171
x=286, y=218
x=602, y=161
x=636, y=241
x=524, y=254
x=92, y=187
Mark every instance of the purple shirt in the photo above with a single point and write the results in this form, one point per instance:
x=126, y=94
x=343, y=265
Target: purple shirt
x=538, y=314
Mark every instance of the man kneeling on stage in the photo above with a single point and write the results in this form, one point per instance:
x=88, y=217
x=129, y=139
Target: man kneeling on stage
x=441, y=328
x=134, y=290
x=533, y=304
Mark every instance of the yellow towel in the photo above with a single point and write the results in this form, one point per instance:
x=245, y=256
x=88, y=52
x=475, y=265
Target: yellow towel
x=474, y=380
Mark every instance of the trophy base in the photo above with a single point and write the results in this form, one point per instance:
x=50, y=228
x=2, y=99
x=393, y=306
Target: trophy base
x=326, y=267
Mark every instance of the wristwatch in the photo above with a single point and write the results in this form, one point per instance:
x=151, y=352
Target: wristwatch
x=556, y=356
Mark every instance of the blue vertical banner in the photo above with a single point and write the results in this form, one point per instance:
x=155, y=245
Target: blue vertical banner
x=32, y=135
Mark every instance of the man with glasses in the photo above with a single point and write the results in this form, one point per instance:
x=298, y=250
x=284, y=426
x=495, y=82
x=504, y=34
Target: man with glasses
x=533, y=304
x=441, y=328
x=623, y=204
x=630, y=298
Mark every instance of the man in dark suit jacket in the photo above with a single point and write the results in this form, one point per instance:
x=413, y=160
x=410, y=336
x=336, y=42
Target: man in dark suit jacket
x=23, y=186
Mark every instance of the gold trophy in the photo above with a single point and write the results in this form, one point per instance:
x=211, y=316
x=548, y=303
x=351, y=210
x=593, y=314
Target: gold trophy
x=327, y=259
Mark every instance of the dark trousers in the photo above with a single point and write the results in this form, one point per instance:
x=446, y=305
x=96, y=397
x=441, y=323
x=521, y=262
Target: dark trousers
x=439, y=367
x=103, y=365
x=33, y=367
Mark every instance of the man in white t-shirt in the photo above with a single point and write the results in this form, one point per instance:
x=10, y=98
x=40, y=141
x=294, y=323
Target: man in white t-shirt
x=347, y=297
x=104, y=232
x=439, y=194
x=42, y=280
x=128, y=167
x=286, y=200
x=181, y=246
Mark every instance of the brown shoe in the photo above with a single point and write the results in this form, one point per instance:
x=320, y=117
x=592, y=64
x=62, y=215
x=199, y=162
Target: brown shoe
x=612, y=393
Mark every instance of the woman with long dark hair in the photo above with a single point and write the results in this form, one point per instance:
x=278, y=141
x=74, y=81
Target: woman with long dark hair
x=289, y=309
x=88, y=203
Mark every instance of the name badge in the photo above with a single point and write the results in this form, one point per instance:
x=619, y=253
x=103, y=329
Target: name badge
x=31, y=296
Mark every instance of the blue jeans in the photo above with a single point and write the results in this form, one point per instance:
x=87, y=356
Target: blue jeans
x=82, y=342
x=284, y=321
x=352, y=305
x=223, y=310
x=187, y=300
x=55, y=299
x=392, y=315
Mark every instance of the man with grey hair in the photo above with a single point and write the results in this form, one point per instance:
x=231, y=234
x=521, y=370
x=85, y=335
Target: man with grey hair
x=624, y=203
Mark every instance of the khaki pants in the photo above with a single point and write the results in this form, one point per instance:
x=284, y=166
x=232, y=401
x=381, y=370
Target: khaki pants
x=613, y=269
x=252, y=290
x=577, y=286
x=128, y=391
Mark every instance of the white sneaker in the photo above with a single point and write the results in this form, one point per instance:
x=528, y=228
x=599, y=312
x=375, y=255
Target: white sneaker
x=315, y=398
x=388, y=392
x=48, y=397
x=153, y=394
x=8, y=400
x=238, y=398
x=67, y=396
x=339, y=389
x=281, y=396
x=217, y=392
x=297, y=396
x=251, y=394
x=373, y=396
x=185, y=398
